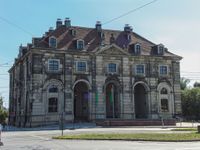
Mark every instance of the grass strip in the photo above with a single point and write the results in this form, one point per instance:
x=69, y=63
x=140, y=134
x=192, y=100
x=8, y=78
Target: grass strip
x=184, y=129
x=171, y=137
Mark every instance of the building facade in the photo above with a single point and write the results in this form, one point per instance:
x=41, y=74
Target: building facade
x=90, y=74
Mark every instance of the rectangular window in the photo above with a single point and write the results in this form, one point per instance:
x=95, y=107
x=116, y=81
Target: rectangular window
x=163, y=70
x=137, y=49
x=53, y=65
x=80, y=44
x=53, y=104
x=81, y=66
x=52, y=42
x=112, y=68
x=164, y=105
x=160, y=50
x=140, y=69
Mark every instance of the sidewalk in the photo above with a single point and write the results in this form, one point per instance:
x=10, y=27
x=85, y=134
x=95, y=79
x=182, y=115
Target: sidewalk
x=187, y=124
x=73, y=126
x=51, y=127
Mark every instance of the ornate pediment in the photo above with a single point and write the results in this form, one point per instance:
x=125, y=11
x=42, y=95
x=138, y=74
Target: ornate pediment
x=111, y=50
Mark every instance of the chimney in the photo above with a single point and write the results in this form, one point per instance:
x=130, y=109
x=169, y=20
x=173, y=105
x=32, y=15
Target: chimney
x=58, y=23
x=98, y=26
x=128, y=28
x=67, y=22
x=50, y=29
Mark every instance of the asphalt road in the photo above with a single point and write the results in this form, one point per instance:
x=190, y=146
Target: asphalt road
x=41, y=140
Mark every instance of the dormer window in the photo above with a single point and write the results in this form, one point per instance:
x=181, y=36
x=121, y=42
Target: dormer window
x=52, y=42
x=80, y=44
x=137, y=49
x=128, y=37
x=112, y=39
x=160, y=49
x=73, y=32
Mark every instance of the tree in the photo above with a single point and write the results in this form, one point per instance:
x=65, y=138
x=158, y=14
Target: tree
x=184, y=82
x=3, y=112
x=197, y=84
x=191, y=103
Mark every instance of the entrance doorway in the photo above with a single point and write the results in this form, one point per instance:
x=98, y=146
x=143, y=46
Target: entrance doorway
x=141, y=107
x=81, y=102
x=112, y=101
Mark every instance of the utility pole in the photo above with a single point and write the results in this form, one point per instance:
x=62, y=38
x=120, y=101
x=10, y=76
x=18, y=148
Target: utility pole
x=62, y=123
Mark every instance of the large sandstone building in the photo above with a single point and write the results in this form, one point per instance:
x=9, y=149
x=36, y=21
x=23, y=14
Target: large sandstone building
x=93, y=74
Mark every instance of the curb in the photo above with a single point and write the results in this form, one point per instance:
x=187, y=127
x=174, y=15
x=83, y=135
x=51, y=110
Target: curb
x=131, y=140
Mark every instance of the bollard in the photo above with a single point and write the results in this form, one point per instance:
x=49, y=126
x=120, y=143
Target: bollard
x=198, y=129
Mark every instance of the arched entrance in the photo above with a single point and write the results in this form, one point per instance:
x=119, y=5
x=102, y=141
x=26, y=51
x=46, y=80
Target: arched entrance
x=141, y=105
x=112, y=101
x=81, y=101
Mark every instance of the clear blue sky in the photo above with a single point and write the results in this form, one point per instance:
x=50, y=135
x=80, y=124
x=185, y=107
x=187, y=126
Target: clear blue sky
x=175, y=23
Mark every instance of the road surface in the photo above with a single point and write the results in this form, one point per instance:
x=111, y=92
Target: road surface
x=41, y=140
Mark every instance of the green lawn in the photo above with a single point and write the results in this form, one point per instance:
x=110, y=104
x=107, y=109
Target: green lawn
x=137, y=137
x=184, y=129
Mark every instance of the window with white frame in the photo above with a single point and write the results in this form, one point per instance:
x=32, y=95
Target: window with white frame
x=160, y=49
x=112, y=68
x=164, y=105
x=52, y=42
x=163, y=70
x=137, y=49
x=80, y=44
x=140, y=69
x=53, y=64
x=81, y=66
x=53, y=105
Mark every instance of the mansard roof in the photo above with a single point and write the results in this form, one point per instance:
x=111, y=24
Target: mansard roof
x=66, y=40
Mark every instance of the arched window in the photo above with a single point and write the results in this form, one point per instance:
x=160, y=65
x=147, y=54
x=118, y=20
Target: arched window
x=163, y=91
x=80, y=44
x=160, y=49
x=137, y=49
x=52, y=42
x=53, y=89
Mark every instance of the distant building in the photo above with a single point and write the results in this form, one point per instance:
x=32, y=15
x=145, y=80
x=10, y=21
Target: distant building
x=93, y=74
